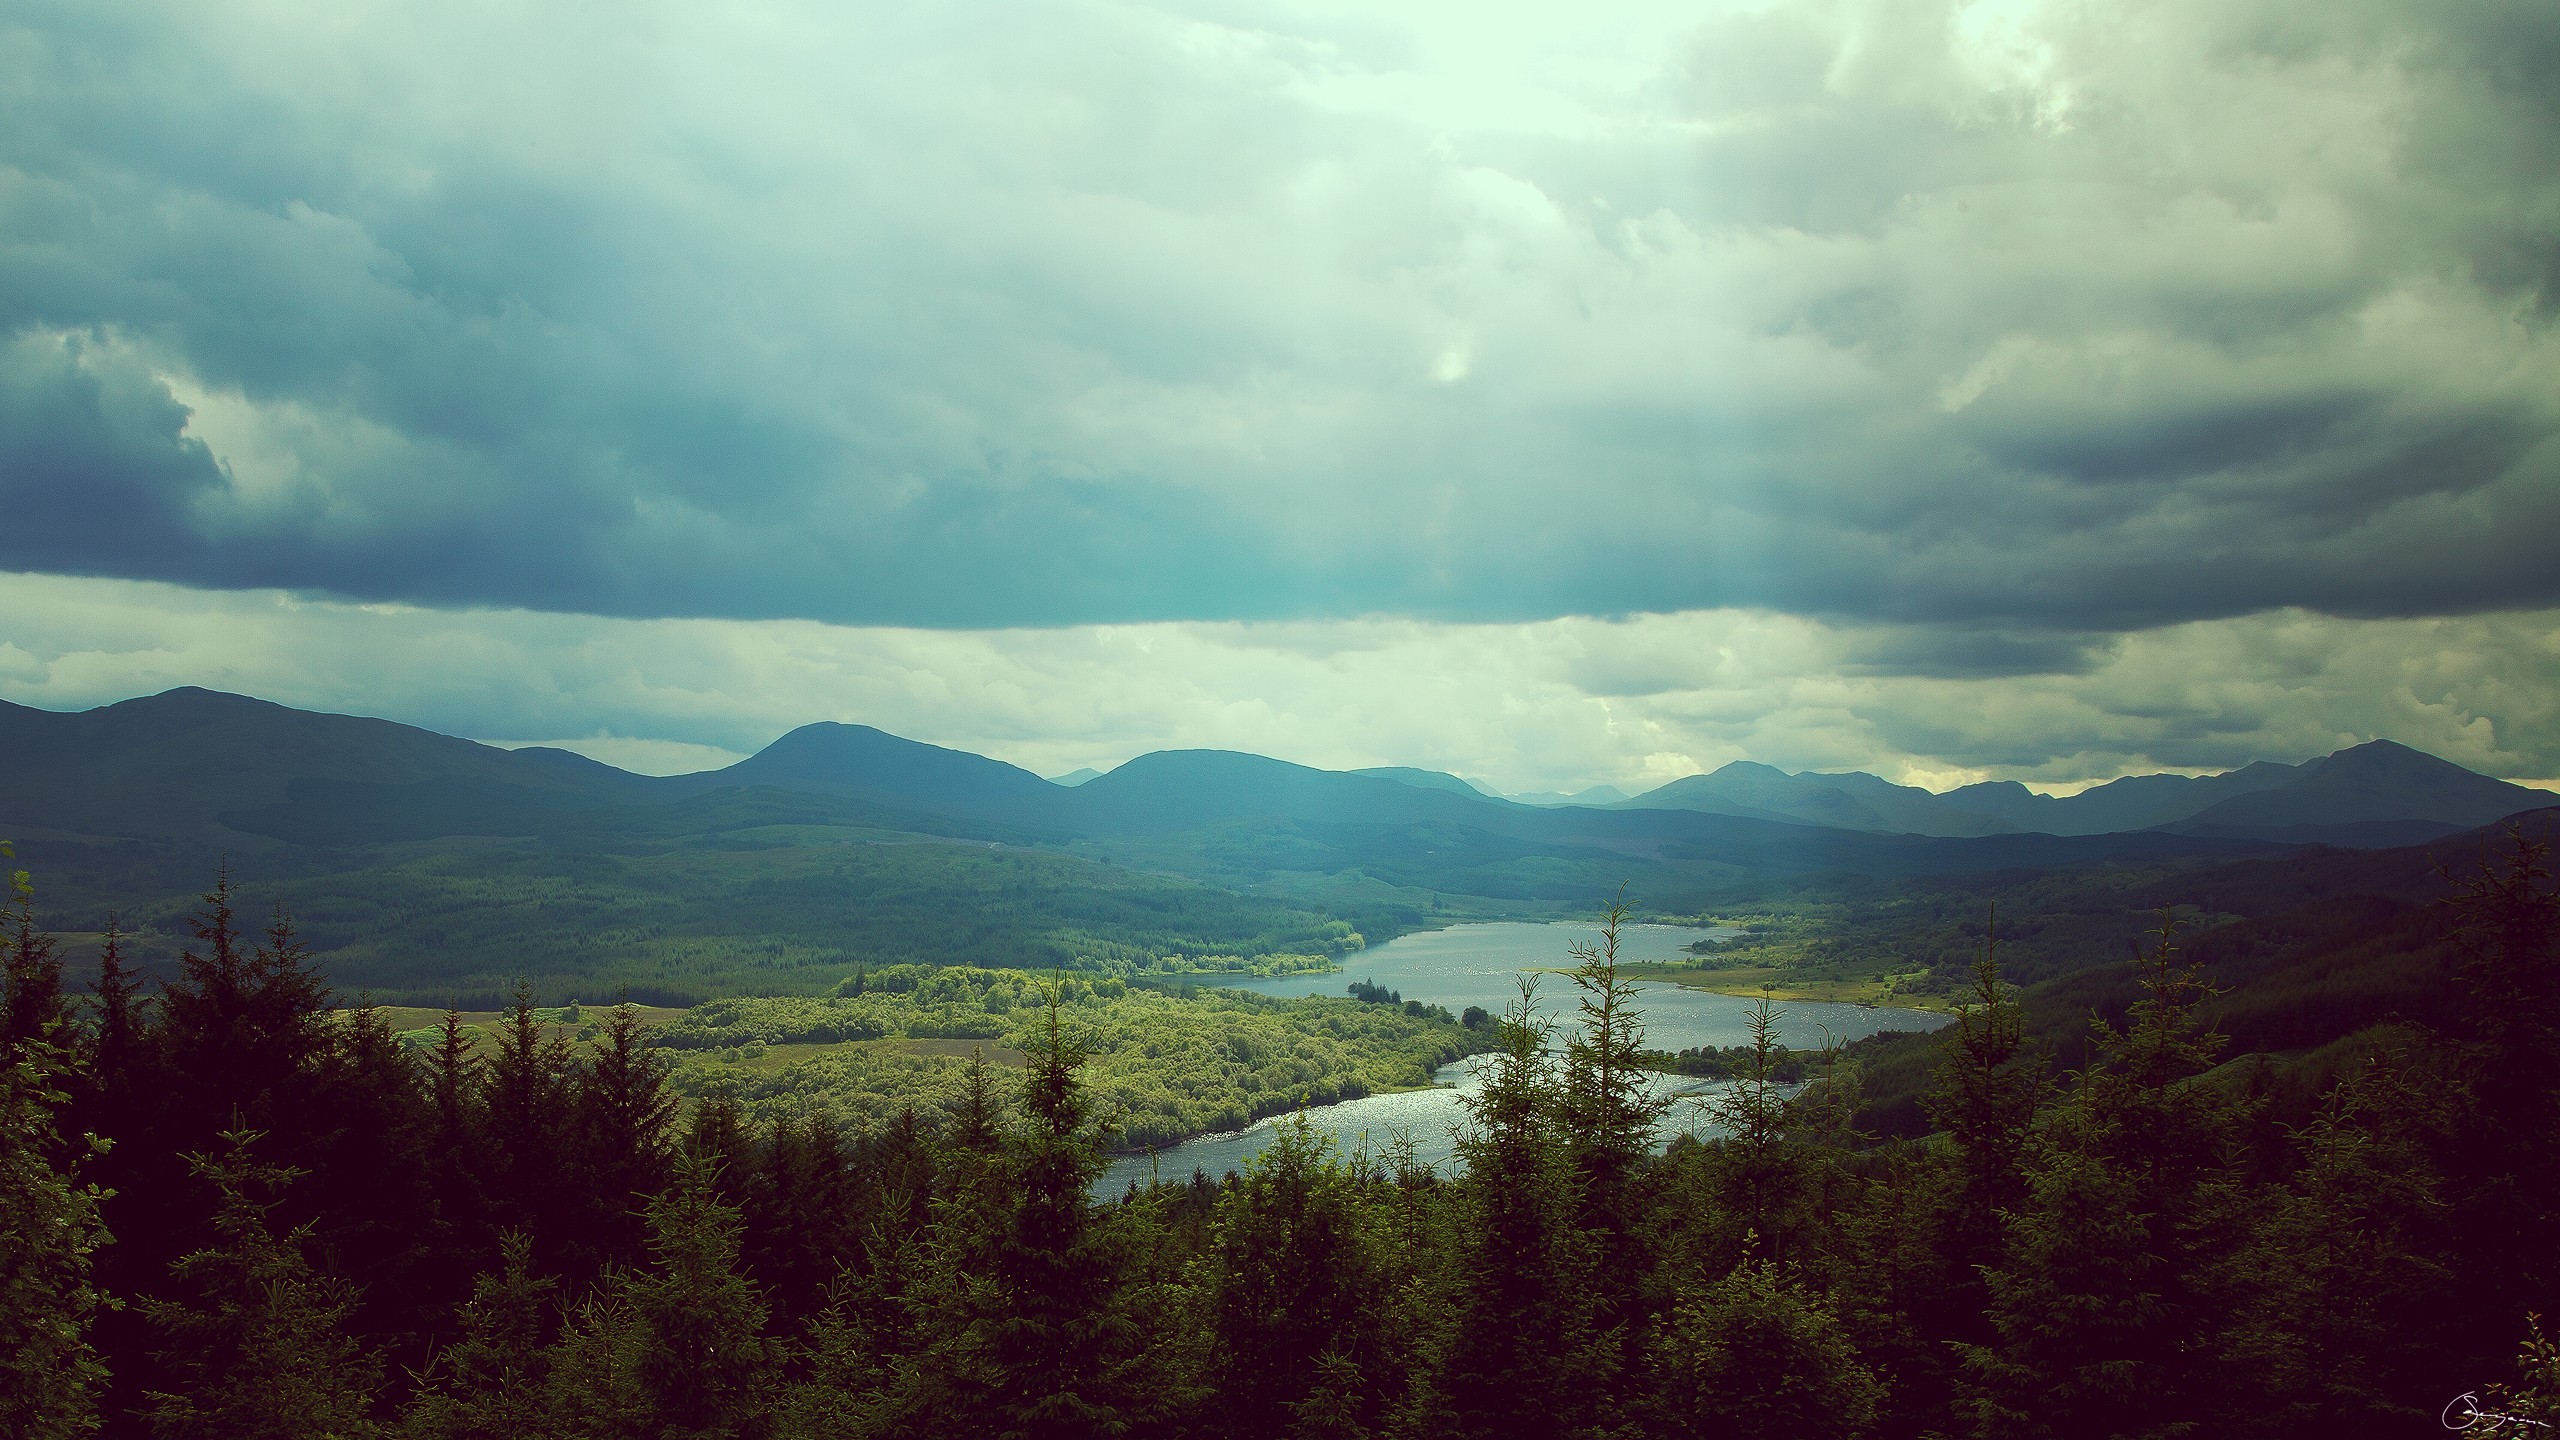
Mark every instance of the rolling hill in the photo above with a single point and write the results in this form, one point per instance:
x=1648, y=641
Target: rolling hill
x=420, y=857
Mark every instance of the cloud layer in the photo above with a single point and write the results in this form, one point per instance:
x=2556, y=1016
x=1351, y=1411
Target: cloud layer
x=1980, y=333
x=1547, y=705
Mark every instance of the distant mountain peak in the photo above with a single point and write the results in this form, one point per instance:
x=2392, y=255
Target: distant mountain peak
x=1425, y=779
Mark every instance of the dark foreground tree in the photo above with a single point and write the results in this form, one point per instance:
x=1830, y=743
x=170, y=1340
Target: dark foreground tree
x=2116, y=1293
x=1297, y=1290
x=49, y=1230
x=492, y=1383
x=253, y=1345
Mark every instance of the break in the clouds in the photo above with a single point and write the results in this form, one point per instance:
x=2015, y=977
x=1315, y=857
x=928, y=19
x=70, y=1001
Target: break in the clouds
x=1546, y=705
x=2041, y=320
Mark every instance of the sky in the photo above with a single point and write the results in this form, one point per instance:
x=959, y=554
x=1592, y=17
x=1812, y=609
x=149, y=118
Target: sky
x=1552, y=395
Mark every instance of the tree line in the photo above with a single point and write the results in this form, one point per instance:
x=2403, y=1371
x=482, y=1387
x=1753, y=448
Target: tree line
x=232, y=1212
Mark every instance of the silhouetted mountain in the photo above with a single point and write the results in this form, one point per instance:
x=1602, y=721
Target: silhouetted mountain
x=874, y=765
x=1075, y=777
x=1426, y=779
x=2136, y=802
x=1850, y=801
x=1179, y=790
x=201, y=765
x=2381, y=788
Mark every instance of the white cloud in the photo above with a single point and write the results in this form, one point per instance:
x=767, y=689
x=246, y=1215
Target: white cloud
x=1543, y=706
x=960, y=314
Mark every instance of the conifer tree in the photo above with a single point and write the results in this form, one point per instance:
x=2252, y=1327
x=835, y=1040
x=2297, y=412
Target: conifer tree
x=626, y=1113
x=703, y=1359
x=1297, y=1292
x=454, y=1087
x=2340, y=1326
x=719, y=1132
x=1058, y=1345
x=1757, y=1356
x=1755, y=1177
x=33, y=1009
x=493, y=1382
x=1989, y=1091
x=50, y=1228
x=372, y=1188
x=257, y=1345
x=243, y=1034
x=801, y=1225
x=526, y=1132
x=2116, y=1290
x=2504, y=1162
x=1516, y=1344
x=1609, y=1111
x=117, y=1052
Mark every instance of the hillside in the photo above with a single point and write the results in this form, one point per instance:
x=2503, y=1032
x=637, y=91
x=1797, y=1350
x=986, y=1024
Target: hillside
x=1850, y=801
x=2305, y=953
x=422, y=862
x=204, y=766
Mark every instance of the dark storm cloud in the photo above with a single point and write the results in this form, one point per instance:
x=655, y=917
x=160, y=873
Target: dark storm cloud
x=2022, y=319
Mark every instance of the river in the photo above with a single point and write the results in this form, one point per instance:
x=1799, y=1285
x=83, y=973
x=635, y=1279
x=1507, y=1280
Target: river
x=1480, y=965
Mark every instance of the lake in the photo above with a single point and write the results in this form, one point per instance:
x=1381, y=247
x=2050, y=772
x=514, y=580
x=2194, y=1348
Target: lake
x=1481, y=965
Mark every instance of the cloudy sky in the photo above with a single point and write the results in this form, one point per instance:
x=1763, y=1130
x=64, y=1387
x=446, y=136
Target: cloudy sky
x=1552, y=394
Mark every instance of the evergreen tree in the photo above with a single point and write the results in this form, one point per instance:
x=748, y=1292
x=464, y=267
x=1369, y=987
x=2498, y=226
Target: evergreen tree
x=1756, y=1356
x=1058, y=1345
x=1609, y=1111
x=493, y=1383
x=1516, y=1344
x=718, y=1133
x=50, y=1228
x=1990, y=1089
x=1936, y=1224
x=118, y=1053
x=802, y=1227
x=33, y=1010
x=2116, y=1290
x=1755, y=1177
x=1297, y=1291
x=242, y=1035
x=455, y=1085
x=257, y=1349
x=524, y=1147
x=2503, y=1163
x=2339, y=1331
x=372, y=1189
x=625, y=1115
x=702, y=1357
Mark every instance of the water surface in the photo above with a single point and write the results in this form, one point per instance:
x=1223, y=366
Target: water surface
x=1481, y=965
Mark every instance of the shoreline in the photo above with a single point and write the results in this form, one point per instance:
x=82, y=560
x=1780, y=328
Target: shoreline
x=1762, y=982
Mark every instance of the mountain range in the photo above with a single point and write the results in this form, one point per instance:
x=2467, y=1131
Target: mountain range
x=193, y=764
x=424, y=865
x=2377, y=793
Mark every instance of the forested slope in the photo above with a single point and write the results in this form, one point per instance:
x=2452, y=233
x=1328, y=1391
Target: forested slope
x=320, y=1233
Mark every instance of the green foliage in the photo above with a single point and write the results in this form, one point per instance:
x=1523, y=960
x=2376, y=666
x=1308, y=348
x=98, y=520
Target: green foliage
x=758, y=910
x=2118, y=1265
x=1162, y=1067
x=1516, y=1341
x=492, y=1383
x=49, y=1231
x=257, y=1349
x=893, y=1235
x=1754, y=1355
x=1296, y=1270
